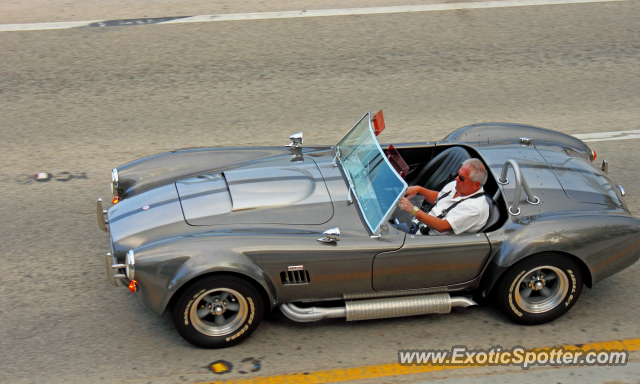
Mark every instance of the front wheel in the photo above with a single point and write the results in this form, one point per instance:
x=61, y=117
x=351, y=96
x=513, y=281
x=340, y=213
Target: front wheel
x=217, y=311
x=540, y=289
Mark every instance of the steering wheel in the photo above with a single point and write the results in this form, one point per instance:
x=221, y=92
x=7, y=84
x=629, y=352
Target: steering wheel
x=402, y=220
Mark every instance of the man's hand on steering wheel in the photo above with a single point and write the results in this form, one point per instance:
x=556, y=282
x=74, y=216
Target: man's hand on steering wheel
x=405, y=205
x=412, y=191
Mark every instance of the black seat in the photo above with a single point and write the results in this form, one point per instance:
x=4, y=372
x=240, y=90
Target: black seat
x=441, y=169
x=494, y=214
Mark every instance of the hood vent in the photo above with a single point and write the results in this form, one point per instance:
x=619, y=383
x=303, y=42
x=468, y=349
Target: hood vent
x=203, y=197
x=295, y=277
x=266, y=192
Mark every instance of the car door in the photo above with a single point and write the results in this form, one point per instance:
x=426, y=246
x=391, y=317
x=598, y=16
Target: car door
x=431, y=261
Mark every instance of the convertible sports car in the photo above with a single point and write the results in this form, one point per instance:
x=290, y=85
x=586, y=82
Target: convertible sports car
x=221, y=235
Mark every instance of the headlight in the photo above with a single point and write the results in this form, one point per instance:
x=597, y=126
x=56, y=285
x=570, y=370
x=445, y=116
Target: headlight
x=114, y=181
x=129, y=265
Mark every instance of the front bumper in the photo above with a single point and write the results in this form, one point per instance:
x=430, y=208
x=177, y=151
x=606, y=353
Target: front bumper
x=114, y=269
x=103, y=223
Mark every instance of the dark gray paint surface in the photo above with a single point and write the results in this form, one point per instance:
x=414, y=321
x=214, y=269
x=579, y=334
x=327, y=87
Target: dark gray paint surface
x=431, y=261
x=582, y=180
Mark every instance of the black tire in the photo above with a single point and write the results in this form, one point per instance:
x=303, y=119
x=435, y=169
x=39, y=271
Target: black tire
x=527, y=300
x=238, y=301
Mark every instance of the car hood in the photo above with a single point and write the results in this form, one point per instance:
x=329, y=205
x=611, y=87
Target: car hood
x=151, y=172
x=273, y=191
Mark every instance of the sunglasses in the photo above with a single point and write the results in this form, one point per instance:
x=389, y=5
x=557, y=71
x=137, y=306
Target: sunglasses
x=462, y=179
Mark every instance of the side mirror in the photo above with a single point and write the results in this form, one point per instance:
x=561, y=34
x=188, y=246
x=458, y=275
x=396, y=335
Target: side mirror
x=296, y=140
x=330, y=235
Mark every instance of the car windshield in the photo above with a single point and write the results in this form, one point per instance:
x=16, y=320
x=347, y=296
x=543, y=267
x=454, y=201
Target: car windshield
x=376, y=185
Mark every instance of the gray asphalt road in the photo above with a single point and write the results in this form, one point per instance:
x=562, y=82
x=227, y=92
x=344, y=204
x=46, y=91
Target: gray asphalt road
x=76, y=103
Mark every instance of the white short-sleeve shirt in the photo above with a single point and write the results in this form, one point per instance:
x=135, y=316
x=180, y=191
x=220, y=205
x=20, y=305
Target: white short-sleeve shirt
x=467, y=217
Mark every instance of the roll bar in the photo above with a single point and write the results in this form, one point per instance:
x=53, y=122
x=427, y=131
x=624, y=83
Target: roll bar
x=521, y=183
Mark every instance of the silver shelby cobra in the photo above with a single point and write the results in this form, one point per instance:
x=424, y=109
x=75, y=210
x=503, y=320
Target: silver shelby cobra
x=222, y=235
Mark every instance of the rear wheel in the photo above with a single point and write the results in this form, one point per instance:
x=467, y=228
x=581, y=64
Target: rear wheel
x=218, y=311
x=540, y=289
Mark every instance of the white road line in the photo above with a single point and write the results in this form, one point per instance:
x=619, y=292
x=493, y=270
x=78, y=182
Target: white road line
x=608, y=136
x=313, y=13
x=45, y=26
x=376, y=10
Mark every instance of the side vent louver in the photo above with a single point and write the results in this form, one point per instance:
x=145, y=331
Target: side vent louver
x=295, y=277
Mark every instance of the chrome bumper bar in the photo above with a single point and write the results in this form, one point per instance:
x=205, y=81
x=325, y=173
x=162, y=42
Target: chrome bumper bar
x=102, y=222
x=114, y=270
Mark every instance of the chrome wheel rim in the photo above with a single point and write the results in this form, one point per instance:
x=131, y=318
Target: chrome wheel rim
x=218, y=312
x=541, y=289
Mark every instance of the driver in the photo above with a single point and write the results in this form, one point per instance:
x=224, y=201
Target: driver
x=459, y=208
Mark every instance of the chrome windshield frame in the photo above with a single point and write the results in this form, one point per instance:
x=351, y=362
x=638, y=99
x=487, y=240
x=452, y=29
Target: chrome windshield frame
x=374, y=231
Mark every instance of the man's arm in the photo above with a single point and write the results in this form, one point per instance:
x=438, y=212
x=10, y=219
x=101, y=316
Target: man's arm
x=429, y=195
x=440, y=225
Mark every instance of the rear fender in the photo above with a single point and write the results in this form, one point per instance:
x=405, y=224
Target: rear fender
x=603, y=244
x=509, y=133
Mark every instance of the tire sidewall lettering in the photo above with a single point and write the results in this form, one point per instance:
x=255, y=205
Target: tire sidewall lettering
x=573, y=287
x=186, y=310
x=198, y=294
x=246, y=326
x=253, y=310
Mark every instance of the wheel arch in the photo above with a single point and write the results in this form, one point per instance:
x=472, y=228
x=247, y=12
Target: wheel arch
x=256, y=284
x=494, y=274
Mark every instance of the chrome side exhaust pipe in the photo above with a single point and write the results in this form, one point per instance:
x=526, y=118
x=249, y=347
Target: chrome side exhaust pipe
x=379, y=308
x=304, y=315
